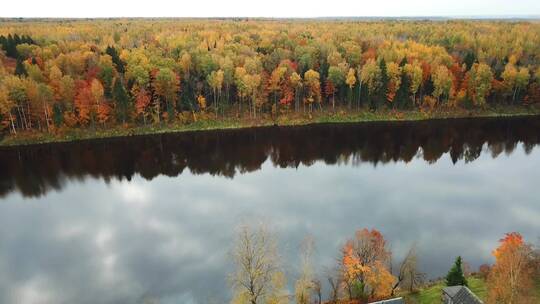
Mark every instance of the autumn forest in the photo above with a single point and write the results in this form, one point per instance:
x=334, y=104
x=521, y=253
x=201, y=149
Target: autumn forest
x=60, y=75
x=285, y=195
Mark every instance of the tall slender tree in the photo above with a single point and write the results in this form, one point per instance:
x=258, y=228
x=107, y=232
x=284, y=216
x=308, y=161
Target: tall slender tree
x=455, y=276
x=122, y=100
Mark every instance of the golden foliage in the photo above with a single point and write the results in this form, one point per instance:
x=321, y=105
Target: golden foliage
x=510, y=279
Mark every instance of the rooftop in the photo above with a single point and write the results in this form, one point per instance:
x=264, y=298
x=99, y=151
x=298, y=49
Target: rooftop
x=461, y=295
x=390, y=301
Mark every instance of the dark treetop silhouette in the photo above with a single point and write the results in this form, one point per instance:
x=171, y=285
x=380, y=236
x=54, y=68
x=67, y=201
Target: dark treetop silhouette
x=35, y=170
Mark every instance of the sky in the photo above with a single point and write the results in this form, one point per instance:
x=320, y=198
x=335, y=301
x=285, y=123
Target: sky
x=274, y=8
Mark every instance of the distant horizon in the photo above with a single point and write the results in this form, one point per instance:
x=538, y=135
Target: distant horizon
x=273, y=9
x=513, y=16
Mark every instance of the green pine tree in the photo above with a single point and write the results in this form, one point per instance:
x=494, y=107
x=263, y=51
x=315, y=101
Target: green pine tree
x=106, y=75
x=11, y=47
x=121, y=99
x=455, y=276
x=120, y=67
x=381, y=96
x=20, y=70
x=469, y=60
x=402, y=95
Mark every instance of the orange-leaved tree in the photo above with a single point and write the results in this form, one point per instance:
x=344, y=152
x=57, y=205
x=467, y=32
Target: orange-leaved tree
x=365, y=266
x=142, y=102
x=510, y=279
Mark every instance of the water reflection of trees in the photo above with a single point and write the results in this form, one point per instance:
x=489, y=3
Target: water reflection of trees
x=35, y=170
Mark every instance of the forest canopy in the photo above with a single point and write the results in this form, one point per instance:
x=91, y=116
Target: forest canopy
x=58, y=74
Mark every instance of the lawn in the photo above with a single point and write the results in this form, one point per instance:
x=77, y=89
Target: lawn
x=432, y=294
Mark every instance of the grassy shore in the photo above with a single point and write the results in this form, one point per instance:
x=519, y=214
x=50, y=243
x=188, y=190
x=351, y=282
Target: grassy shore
x=432, y=294
x=291, y=119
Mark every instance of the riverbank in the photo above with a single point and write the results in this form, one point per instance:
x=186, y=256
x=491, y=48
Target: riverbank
x=292, y=119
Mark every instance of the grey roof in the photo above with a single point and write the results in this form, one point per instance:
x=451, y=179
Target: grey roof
x=461, y=295
x=390, y=301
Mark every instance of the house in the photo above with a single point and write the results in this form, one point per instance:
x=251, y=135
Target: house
x=390, y=301
x=459, y=295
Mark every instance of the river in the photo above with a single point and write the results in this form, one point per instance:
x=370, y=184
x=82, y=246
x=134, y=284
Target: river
x=153, y=217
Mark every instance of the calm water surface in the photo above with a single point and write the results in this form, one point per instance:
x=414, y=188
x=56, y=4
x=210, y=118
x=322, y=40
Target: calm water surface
x=133, y=219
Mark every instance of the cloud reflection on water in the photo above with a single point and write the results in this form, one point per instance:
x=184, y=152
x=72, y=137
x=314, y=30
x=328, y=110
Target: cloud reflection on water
x=168, y=237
